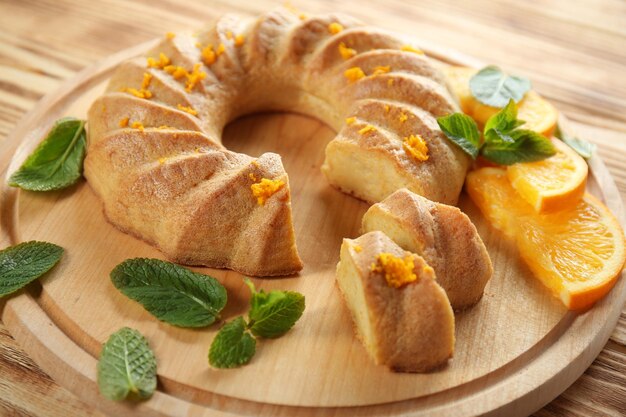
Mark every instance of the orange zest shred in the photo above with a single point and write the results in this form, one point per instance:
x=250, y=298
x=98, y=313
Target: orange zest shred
x=409, y=48
x=170, y=35
x=239, y=40
x=252, y=176
x=142, y=92
x=302, y=16
x=367, y=129
x=357, y=248
x=162, y=160
x=162, y=127
x=354, y=74
x=229, y=34
x=403, y=117
x=390, y=82
x=415, y=146
x=147, y=78
x=138, y=126
x=161, y=63
x=398, y=271
x=138, y=93
x=381, y=70
x=334, y=28
x=208, y=54
x=265, y=189
x=124, y=122
x=176, y=71
x=187, y=109
x=192, y=78
x=221, y=48
x=387, y=108
x=350, y=120
x=345, y=51
x=195, y=77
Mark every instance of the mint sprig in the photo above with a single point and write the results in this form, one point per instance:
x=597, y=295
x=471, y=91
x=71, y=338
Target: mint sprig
x=491, y=86
x=233, y=346
x=170, y=292
x=462, y=130
x=271, y=315
x=24, y=263
x=57, y=162
x=503, y=141
x=580, y=146
x=127, y=367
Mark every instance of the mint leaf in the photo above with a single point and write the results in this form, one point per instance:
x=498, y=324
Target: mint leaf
x=127, y=366
x=494, y=88
x=233, y=346
x=527, y=146
x=24, y=263
x=581, y=146
x=500, y=124
x=58, y=160
x=273, y=314
x=170, y=292
x=462, y=130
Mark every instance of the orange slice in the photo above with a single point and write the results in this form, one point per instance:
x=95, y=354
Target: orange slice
x=539, y=114
x=552, y=184
x=458, y=81
x=577, y=252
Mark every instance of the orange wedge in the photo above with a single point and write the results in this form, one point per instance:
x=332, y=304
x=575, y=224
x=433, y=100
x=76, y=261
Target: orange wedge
x=577, y=252
x=458, y=81
x=552, y=184
x=539, y=114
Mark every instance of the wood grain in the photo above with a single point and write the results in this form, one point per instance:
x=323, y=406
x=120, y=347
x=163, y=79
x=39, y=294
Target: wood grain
x=33, y=62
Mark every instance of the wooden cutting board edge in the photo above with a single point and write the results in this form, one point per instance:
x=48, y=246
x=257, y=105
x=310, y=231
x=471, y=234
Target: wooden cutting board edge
x=518, y=388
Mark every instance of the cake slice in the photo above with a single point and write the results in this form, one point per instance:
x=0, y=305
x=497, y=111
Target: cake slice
x=443, y=235
x=401, y=314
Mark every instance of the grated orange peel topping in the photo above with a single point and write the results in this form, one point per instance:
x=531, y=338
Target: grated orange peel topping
x=345, y=51
x=415, y=146
x=354, y=74
x=398, y=271
x=265, y=189
x=334, y=28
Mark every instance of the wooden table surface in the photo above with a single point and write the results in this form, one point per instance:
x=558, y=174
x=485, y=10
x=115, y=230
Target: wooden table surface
x=573, y=51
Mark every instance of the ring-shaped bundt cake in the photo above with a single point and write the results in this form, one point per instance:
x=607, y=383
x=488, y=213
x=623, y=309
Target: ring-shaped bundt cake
x=156, y=160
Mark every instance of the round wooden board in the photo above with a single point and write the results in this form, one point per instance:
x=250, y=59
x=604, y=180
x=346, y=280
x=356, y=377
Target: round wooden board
x=516, y=350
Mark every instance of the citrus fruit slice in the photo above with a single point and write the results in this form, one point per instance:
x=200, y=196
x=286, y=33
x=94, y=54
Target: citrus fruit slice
x=538, y=113
x=577, y=252
x=552, y=184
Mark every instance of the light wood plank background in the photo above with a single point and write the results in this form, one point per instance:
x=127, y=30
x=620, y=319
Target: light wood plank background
x=574, y=52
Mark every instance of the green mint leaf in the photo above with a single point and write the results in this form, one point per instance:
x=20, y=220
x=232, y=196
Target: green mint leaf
x=170, y=292
x=494, y=88
x=127, y=366
x=24, y=263
x=58, y=160
x=233, y=346
x=580, y=146
x=500, y=124
x=462, y=130
x=528, y=146
x=272, y=314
